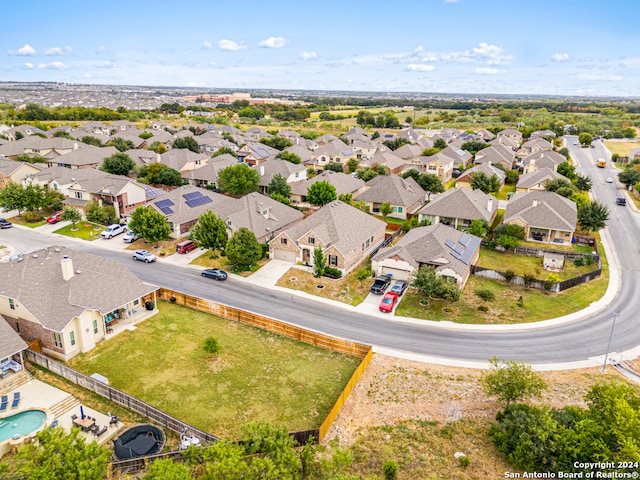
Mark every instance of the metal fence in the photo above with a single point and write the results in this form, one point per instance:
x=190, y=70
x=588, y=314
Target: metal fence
x=117, y=396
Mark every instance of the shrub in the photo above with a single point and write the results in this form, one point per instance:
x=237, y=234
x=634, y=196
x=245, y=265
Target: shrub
x=588, y=260
x=32, y=217
x=211, y=346
x=332, y=272
x=390, y=470
x=464, y=461
x=579, y=261
x=483, y=308
x=520, y=301
x=485, y=294
x=528, y=279
x=509, y=275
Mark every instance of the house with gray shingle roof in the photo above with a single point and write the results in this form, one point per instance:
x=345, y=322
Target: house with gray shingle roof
x=48, y=148
x=461, y=158
x=88, y=157
x=122, y=193
x=11, y=347
x=303, y=152
x=343, y=183
x=67, y=299
x=345, y=234
x=511, y=133
x=449, y=251
x=208, y=174
x=14, y=171
x=533, y=145
x=143, y=157
x=291, y=172
x=546, y=216
x=131, y=135
x=183, y=159
x=335, y=151
x=256, y=153
x=543, y=159
x=458, y=207
x=437, y=164
x=409, y=152
x=465, y=179
x=496, y=155
x=537, y=179
x=403, y=194
x=387, y=158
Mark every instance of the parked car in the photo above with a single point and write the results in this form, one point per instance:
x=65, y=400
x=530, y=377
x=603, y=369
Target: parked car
x=55, y=218
x=621, y=201
x=609, y=180
x=388, y=302
x=144, y=256
x=380, y=284
x=185, y=247
x=4, y=223
x=399, y=286
x=215, y=273
x=113, y=230
x=130, y=237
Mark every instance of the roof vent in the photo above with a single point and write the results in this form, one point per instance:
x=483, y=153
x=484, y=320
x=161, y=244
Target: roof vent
x=78, y=272
x=56, y=249
x=35, y=255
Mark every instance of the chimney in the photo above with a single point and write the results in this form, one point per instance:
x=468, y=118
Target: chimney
x=535, y=202
x=158, y=158
x=262, y=170
x=490, y=204
x=75, y=145
x=67, y=268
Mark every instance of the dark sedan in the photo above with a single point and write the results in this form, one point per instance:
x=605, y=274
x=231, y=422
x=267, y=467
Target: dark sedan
x=215, y=273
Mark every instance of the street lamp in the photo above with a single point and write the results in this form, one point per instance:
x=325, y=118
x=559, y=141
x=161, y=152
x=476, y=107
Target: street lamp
x=613, y=325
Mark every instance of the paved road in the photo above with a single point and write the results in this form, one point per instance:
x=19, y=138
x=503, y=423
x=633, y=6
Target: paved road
x=549, y=345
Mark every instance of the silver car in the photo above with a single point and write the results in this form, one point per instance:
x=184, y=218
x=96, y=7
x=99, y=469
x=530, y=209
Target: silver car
x=144, y=256
x=130, y=237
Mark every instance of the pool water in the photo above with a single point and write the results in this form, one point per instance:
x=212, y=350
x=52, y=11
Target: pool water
x=21, y=423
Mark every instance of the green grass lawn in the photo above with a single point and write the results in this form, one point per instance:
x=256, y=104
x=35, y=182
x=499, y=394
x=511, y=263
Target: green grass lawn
x=256, y=376
x=508, y=188
x=21, y=221
x=83, y=230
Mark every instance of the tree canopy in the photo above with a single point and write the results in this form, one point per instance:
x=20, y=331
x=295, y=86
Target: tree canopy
x=289, y=157
x=118, y=164
x=482, y=181
x=278, y=185
x=121, y=144
x=511, y=381
x=238, y=179
x=210, y=231
x=430, y=285
x=279, y=143
x=149, y=224
x=243, y=249
x=592, y=216
x=189, y=143
x=321, y=193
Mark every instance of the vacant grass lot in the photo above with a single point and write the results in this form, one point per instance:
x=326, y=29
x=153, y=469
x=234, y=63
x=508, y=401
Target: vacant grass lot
x=346, y=289
x=256, y=376
x=621, y=148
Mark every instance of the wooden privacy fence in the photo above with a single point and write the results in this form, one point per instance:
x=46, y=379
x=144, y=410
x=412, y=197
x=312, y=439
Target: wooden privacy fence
x=538, y=284
x=117, y=396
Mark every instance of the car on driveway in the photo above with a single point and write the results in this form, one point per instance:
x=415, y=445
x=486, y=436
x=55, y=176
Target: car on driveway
x=380, y=284
x=609, y=180
x=215, y=273
x=4, y=223
x=398, y=287
x=55, y=218
x=144, y=256
x=388, y=302
x=113, y=230
x=130, y=237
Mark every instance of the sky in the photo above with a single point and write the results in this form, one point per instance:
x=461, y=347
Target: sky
x=542, y=47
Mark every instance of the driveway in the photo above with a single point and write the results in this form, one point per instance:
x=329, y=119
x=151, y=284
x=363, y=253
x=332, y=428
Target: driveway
x=270, y=273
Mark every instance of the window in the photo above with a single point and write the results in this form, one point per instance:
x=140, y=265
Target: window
x=12, y=304
x=312, y=241
x=283, y=241
x=57, y=340
x=432, y=167
x=72, y=337
x=397, y=209
x=333, y=260
x=78, y=194
x=95, y=326
x=17, y=327
x=136, y=302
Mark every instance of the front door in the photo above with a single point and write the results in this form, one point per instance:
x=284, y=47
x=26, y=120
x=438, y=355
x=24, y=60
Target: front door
x=306, y=256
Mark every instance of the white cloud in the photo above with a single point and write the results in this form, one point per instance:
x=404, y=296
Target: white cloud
x=25, y=51
x=58, y=51
x=492, y=53
x=274, y=42
x=230, y=45
x=308, y=55
x=419, y=67
x=207, y=45
x=560, y=57
x=53, y=66
x=29, y=66
x=486, y=71
x=105, y=64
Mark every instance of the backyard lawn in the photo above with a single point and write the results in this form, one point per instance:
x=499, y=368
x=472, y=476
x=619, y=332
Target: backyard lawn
x=257, y=376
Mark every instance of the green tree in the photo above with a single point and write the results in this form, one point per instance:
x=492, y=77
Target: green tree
x=396, y=143
x=150, y=224
x=121, y=144
x=484, y=182
x=35, y=197
x=167, y=469
x=511, y=177
x=58, y=455
x=583, y=183
x=440, y=144
x=89, y=140
x=319, y=262
x=158, y=147
x=479, y=228
x=362, y=274
x=474, y=146
x=352, y=164
x=511, y=381
x=53, y=199
x=629, y=177
x=189, y=143
x=29, y=158
x=334, y=167
x=564, y=151
x=428, y=152
x=279, y=185
x=170, y=176
x=430, y=285
x=390, y=470
x=280, y=198
x=321, y=193
x=238, y=179
x=211, y=345
x=223, y=150
x=279, y=143
x=567, y=170
x=145, y=135
x=71, y=214
x=289, y=157
x=430, y=183
x=243, y=249
x=210, y=231
x=592, y=216
x=585, y=138
x=385, y=210
x=12, y=197
x=151, y=172
x=366, y=174
x=561, y=187
x=118, y=164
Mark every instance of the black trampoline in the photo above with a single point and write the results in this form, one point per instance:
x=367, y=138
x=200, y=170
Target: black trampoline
x=139, y=441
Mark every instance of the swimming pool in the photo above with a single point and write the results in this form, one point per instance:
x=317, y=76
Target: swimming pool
x=21, y=423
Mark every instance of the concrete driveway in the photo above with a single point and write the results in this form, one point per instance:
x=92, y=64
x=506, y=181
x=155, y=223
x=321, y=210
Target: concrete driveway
x=270, y=273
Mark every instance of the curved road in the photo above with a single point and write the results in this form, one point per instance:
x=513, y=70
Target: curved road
x=549, y=345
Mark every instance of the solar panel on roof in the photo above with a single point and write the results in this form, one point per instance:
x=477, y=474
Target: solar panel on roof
x=465, y=239
x=164, y=203
x=450, y=244
x=201, y=200
x=166, y=210
x=192, y=195
x=458, y=249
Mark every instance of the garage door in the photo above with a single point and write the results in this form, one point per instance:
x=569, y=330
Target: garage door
x=285, y=255
x=396, y=274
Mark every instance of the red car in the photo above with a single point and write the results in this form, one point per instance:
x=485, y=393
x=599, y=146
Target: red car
x=388, y=302
x=55, y=218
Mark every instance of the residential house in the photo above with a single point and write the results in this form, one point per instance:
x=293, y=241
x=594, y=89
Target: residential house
x=13, y=171
x=143, y=157
x=511, y=133
x=25, y=130
x=388, y=159
x=438, y=164
x=356, y=134
x=345, y=234
x=70, y=300
x=291, y=172
x=256, y=153
x=332, y=152
x=365, y=149
x=533, y=145
x=123, y=125
x=159, y=125
x=486, y=135
x=506, y=142
x=496, y=155
x=537, y=179
x=404, y=195
x=465, y=179
x=461, y=158
x=546, y=134
x=87, y=157
x=546, y=216
x=304, y=153
x=450, y=252
x=343, y=183
x=545, y=159
x=326, y=138
x=458, y=207
x=254, y=134
x=210, y=142
x=11, y=348
x=48, y=148
x=132, y=136
x=209, y=173
x=183, y=160
x=409, y=152
x=634, y=153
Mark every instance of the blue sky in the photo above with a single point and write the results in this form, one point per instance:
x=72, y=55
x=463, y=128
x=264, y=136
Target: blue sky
x=561, y=47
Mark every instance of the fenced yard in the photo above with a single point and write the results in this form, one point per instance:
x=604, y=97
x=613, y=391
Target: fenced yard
x=257, y=375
